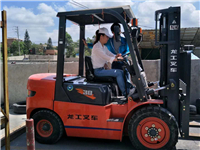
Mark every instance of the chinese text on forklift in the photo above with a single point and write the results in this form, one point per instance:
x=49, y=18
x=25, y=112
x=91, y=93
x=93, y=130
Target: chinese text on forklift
x=90, y=106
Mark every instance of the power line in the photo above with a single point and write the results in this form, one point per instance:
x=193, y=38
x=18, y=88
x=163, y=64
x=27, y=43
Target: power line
x=80, y=4
x=85, y=7
x=77, y=5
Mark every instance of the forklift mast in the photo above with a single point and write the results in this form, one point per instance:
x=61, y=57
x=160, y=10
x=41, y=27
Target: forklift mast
x=175, y=67
x=169, y=41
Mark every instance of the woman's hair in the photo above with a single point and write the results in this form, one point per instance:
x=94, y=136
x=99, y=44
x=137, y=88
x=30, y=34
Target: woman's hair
x=97, y=32
x=98, y=35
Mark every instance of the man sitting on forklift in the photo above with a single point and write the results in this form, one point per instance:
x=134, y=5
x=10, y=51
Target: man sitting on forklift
x=118, y=46
x=101, y=55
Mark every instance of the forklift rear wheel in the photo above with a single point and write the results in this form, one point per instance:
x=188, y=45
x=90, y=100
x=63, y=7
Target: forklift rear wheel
x=48, y=127
x=153, y=127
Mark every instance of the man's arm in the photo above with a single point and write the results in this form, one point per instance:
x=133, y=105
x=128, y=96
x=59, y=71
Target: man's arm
x=90, y=45
x=127, y=48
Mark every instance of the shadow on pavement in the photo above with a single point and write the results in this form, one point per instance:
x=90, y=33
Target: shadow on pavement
x=74, y=143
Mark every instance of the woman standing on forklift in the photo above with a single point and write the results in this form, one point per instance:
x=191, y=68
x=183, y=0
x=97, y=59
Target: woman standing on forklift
x=101, y=55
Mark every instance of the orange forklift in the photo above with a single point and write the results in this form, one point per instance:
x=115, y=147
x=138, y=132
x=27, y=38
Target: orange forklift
x=92, y=107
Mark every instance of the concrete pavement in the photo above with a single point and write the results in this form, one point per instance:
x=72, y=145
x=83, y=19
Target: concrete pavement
x=73, y=143
x=17, y=122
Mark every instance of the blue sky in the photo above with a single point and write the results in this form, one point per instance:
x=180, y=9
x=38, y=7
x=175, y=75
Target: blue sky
x=39, y=17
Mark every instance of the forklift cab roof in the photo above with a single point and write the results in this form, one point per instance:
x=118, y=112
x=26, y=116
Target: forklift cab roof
x=97, y=16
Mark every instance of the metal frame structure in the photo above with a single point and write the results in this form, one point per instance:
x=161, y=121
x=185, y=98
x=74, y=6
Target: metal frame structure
x=170, y=56
x=147, y=114
x=5, y=118
x=121, y=15
x=175, y=68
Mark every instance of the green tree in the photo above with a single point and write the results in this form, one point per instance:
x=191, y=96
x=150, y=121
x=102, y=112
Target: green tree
x=88, y=51
x=8, y=51
x=76, y=44
x=41, y=49
x=49, y=44
x=27, y=43
x=35, y=47
x=14, y=48
x=69, y=45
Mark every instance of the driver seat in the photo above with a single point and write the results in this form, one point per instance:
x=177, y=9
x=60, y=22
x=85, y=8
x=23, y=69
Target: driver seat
x=90, y=73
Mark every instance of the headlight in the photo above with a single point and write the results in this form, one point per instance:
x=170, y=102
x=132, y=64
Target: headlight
x=31, y=93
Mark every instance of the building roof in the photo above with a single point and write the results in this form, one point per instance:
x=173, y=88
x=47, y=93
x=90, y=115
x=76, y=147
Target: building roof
x=14, y=39
x=189, y=36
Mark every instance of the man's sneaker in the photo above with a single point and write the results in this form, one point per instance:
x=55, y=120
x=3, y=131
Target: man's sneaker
x=131, y=92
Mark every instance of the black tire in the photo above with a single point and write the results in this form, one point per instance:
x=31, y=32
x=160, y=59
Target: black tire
x=198, y=105
x=48, y=127
x=193, y=110
x=142, y=123
x=19, y=107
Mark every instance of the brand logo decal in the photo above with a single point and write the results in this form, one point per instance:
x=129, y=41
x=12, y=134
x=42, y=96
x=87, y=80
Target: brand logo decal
x=82, y=117
x=86, y=93
x=174, y=27
x=70, y=87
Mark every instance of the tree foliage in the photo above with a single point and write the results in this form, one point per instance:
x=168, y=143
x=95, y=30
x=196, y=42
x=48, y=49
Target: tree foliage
x=27, y=43
x=69, y=45
x=88, y=51
x=49, y=44
x=36, y=47
x=14, y=49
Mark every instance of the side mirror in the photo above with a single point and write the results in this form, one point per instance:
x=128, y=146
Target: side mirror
x=117, y=33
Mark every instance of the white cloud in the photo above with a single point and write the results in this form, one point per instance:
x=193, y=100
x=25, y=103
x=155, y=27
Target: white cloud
x=23, y=16
x=59, y=8
x=54, y=36
x=45, y=9
x=179, y=1
x=39, y=25
x=190, y=16
x=73, y=30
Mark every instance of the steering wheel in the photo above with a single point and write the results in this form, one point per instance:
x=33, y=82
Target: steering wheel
x=126, y=54
x=124, y=59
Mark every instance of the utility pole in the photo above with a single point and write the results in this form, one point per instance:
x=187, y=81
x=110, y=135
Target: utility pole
x=17, y=30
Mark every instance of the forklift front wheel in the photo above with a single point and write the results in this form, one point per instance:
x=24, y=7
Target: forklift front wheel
x=153, y=127
x=48, y=127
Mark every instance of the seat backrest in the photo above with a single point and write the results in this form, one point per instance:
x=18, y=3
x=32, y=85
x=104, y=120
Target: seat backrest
x=89, y=68
x=90, y=72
